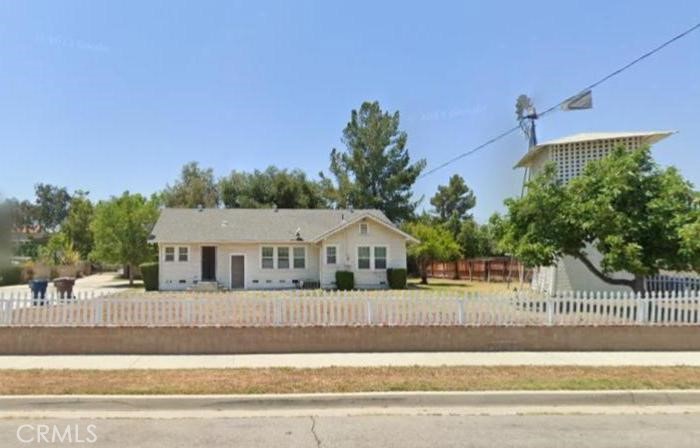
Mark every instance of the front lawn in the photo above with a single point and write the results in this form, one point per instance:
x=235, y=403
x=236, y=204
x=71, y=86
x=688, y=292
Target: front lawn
x=442, y=284
x=344, y=379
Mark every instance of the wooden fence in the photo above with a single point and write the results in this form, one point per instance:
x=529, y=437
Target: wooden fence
x=317, y=308
x=493, y=269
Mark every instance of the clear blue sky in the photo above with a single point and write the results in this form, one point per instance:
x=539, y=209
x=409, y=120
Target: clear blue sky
x=114, y=96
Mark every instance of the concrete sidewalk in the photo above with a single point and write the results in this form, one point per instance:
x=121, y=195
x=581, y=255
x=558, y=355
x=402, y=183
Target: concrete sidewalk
x=317, y=360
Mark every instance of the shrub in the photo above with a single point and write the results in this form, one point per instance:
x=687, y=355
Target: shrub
x=149, y=272
x=345, y=280
x=11, y=275
x=396, y=278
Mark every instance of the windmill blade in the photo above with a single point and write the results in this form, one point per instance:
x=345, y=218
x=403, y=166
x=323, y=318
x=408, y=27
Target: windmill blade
x=582, y=101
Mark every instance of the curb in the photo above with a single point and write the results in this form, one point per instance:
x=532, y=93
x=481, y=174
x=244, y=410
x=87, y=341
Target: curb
x=130, y=403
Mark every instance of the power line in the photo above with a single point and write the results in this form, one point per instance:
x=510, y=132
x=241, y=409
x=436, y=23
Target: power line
x=559, y=104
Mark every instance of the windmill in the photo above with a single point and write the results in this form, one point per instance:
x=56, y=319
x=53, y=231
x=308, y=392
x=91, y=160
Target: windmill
x=527, y=114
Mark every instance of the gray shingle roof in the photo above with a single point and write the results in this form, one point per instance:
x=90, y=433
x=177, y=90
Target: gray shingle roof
x=179, y=225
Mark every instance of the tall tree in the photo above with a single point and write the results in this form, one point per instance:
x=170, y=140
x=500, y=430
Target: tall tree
x=52, y=205
x=21, y=214
x=455, y=198
x=452, y=203
x=77, y=224
x=639, y=216
x=121, y=227
x=262, y=189
x=375, y=170
x=436, y=244
x=195, y=187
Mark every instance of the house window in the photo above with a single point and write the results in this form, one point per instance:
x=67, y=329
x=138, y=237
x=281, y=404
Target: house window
x=363, y=255
x=364, y=228
x=169, y=254
x=183, y=254
x=282, y=258
x=331, y=254
x=299, y=258
x=379, y=257
x=268, y=257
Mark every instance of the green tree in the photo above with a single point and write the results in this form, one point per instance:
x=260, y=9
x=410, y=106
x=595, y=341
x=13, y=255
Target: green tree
x=436, y=244
x=263, y=189
x=51, y=205
x=77, y=224
x=452, y=203
x=477, y=240
x=375, y=170
x=59, y=251
x=195, y=187
x=121, y=227
x=640, y=217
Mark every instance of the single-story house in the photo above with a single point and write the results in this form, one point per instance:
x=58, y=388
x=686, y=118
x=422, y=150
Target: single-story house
x=275, y=248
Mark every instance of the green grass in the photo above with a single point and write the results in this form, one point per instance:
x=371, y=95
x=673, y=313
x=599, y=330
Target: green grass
x=344, y=379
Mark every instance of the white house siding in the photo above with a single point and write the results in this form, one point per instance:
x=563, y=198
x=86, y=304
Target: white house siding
x=179, y=275
x=573, y=275
x=258, y=278
x=347, y=241
x=184, y=275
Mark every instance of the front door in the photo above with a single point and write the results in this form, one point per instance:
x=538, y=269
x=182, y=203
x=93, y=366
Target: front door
x=208, y=264
x=237, y=272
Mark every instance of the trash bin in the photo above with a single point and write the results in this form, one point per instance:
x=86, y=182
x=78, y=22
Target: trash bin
x=38, y=288
x=64, y=287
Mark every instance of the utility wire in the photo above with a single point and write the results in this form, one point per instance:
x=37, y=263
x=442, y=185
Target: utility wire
x=559, y=104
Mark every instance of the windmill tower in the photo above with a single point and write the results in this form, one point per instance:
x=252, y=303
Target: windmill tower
x=570, y=155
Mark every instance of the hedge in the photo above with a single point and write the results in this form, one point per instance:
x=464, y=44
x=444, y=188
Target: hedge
x=149, y=272
x=344, y=280
x=11, y=275
x=396, y=278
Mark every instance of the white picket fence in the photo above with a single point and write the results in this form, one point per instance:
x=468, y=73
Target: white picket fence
x=352, y=309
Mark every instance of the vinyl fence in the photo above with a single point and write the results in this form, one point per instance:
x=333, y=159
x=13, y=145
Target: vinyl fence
x=304, y=308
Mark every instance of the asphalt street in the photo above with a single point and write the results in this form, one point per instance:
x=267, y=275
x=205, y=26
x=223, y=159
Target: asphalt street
x=540, y=431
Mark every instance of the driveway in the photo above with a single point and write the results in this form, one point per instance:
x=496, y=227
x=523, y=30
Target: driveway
x=102, y=283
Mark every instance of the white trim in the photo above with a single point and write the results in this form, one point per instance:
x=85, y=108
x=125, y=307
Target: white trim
x=277, y=258
x=274, y=258
x=386, y=257
x=371, y=257
x=325, y=256
x=306, y=252
x=187, y=248
x=245, y=269
x=359, y=230
x=165, y=250
x=357, y=257
x=176, y=253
